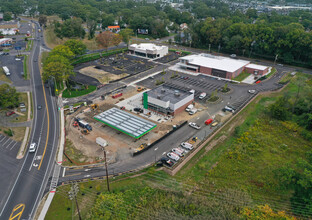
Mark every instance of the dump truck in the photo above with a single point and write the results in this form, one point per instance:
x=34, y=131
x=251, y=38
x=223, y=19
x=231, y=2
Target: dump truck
x=94, y=106
x=83, y=124
x=140, y=89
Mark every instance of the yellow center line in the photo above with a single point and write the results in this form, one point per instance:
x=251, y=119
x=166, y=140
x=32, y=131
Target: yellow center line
x=46, y=144
x=19, y=214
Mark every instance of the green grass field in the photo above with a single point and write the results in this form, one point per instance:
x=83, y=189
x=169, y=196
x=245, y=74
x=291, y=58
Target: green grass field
x=73, y=93
x=238, y=172
x=242, y=76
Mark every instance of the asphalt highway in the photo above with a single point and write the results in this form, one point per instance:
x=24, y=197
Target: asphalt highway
x=27, y=190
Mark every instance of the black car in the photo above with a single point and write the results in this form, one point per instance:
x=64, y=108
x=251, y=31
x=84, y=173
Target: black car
x=138, y=110
x=167, y=161
x=39, y=107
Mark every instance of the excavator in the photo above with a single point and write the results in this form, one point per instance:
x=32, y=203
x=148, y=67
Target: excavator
x=85, y=131
x=94, y=106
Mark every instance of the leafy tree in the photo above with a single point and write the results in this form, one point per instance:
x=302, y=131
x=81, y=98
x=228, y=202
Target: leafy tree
x=105, y=39
x=7, y=16
x=116, y=39
x=42, y=20
x=126, y=35
x=9, y=98
x=59, y=68
x=62, y=50
x=76, y=46
x=91, y=24
x=70, y=28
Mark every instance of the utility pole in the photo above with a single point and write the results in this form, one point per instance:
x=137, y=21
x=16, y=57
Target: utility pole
x=106, y=168
x=72, y=194
x=275, y=59
x=219, y=48
x=209, y=48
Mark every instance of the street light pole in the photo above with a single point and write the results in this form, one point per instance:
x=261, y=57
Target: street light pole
x=106, y=169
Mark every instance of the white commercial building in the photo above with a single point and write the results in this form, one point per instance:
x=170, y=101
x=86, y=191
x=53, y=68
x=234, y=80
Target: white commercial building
x=219, y=66
x=167, y=100
x=148, y=50
x=5, y=41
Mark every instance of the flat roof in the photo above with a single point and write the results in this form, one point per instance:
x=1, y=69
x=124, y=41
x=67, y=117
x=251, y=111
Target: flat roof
x=5, y=39
x=147, y=46
x=125, y=122
x=256, y=66
x=215, y=62
x=167, y=93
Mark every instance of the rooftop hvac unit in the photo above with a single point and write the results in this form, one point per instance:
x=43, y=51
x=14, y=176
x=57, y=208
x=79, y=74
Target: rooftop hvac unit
x=163, y=90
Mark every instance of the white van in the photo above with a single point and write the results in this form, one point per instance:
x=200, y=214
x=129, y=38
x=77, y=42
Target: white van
x=6, y=70
x=189, y=107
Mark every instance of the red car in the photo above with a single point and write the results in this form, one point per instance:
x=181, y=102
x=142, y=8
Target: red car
x=10, y=113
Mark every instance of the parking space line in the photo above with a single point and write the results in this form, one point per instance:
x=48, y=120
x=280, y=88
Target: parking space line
x=9, y=143
x=2, y=138
x=6, y=141
x=13, y=146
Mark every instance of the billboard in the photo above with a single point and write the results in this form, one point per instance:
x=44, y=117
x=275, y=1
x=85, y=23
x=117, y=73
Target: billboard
x=143, y=31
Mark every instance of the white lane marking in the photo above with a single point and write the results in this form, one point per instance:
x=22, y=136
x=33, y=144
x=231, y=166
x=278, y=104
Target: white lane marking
x=87, y=170
x=6, y=141
x=9, y=143
x=38, y=140
x=13, y=146
x=3, y=137
x=156, y=148
x=163, y=153
x=86, y=175
x=64, y=169
x=46, y=172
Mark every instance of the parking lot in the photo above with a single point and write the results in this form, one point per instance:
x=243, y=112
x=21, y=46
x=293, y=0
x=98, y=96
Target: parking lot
x=119, y=64
x=16, y=68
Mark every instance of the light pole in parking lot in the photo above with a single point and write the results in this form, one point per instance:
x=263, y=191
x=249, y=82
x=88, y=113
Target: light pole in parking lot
x=275, y=59
x=106, y=168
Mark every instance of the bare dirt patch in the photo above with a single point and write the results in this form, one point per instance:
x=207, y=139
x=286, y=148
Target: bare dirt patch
x=101, y=75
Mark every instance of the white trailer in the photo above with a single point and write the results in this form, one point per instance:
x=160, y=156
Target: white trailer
x=6, y=70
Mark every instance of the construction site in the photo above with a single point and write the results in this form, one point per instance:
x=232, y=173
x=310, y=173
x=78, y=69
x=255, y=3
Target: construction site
x=83, y=128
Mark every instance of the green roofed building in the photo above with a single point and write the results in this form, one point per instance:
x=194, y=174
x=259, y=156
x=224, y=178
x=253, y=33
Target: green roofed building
x=125, y=122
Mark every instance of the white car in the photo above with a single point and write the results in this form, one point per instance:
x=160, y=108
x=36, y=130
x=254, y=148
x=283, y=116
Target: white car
x=252, y=91
x=233, y=55
x=187, y=146
x=192, y=91
x=194, y=125
x=173, y=156
x=193, y=111
x=202, y=95
x=177, y=152
x=32, y=147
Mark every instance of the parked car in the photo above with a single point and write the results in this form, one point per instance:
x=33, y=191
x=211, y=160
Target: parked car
x=208, y=121
x=193, y=111
x=227, y=108
x=189, y=107
x=177, y=152
x=252, y=91
x=22, y=105
x=173, y=156
x=214, y=124
x=192, y=91
x=230, y=106
x=202, y=95
x=32, y=147
x=194, y=125
x=138, y=110
x=187, y=146
x=185, y=77
x=167, y=161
